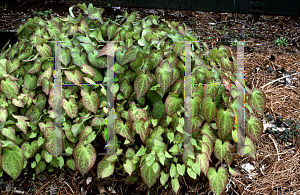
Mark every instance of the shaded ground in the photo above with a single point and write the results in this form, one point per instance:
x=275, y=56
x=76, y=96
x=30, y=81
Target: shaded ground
x=276, y=167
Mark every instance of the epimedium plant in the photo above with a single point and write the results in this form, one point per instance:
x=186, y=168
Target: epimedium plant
x=149, y=96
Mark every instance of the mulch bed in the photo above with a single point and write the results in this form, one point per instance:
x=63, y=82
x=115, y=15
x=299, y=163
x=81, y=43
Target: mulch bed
x=276, y=168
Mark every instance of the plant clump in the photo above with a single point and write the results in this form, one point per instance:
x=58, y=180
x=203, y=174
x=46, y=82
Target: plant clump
x=149, y=96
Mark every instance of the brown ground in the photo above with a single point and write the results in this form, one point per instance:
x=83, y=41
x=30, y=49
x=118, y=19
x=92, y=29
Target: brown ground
x=276, y=167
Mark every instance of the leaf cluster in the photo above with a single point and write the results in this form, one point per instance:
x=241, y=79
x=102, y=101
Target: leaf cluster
x=150, y=118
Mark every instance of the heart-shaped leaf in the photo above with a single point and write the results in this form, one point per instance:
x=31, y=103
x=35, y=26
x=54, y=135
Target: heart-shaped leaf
x=208, y=108
x=124, y=129
x=9, y=88
x=217, y=180
x=225, y=121
x=254, y=128
x=164, y=75
x=126, y=88
x=22, y=125
x=75, y=77
x=130, y=54
x=37, y=65
x=30, y=82
x=88, y=70
x=148, y=175
x=65, y=56
x=105, y=168
x=180, y=169
x=175, y=185
x=40, y=167
x=44, y=50
x=220, y=150
x=173, y=103
x=70, y=107
x=163, y=177
x=128, y=166
x=11, y=66
x=257, y=100
x=54, y=140
x=13, y=161
x=90, y=101
x=30, y=149
x=9, y=132
x=142, y=83
x=17, y=103
x=84, y=157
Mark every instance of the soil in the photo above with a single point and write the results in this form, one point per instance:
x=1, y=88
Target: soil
x=264, y=62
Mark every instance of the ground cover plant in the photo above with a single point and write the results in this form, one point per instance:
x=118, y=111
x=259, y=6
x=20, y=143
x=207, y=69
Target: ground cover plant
x=149, y=123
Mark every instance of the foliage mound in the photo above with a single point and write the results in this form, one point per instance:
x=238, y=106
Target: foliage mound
x=149, y=101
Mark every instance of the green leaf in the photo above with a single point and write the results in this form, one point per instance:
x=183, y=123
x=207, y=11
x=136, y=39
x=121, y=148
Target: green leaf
x=131, y=54
x=196, y=168
x=257, y=100
x=40, y=167
x=225, y=121
x=208, y=108
x=148, y=175
x=128, y=166
x=71, y=163
x=70, y=107
x=77, y=129
x=9, y=88
x=44, y=50
x=104, y=168
x=75, y=77
x=191, y=173
x=163, y=178
x=84, y=157
x=155, y=167
x=48, y=157
x=90, y=101
x=30, y=82
x=11, y=66
x=33, y=164
x=254, y=128
x=142, y=83
x=3, y=115
x=220, y=150
x=54, y=140
x=173, y=170
x=173, y=103
x=233, y=172
x=175, y=185
x=141, y=151
x=217, y=180
x=180, y=169
x=61, y=161
x=29, y=149
x=13, y=161
x=124, y=129
x=9, y=132
x=202, y=160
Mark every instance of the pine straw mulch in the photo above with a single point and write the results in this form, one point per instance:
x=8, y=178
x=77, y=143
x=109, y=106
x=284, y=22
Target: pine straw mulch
x=277, y=165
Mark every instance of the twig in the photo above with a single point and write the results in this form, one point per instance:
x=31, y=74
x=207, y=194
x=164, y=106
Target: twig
x=275, y=146
x=278, y=79
x=69, y=187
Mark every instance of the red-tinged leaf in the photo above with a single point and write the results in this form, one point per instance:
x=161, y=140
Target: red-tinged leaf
x=88, y=70
x=130, y=54
x=45, y=86
x=106, y=51
x=30, y=149
x=84, y=157
x=142, y=83
x=164, y=75
x=124, y=129
x=47, y=74
x=173, y=103
x=13, y=161
x=22, y=125
x=148, y=175
x=44, y=50
x=9, y=132
x=3, y=115
x=17, y=103
x=203, y=161
x=126, y=88
x=208, y=108
x=75, y=77
x=9, y=88
x=70, y=107
x=54, y=140
x=11, y=66
x=90, y=101
x=37, y=65
x=141, y=130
